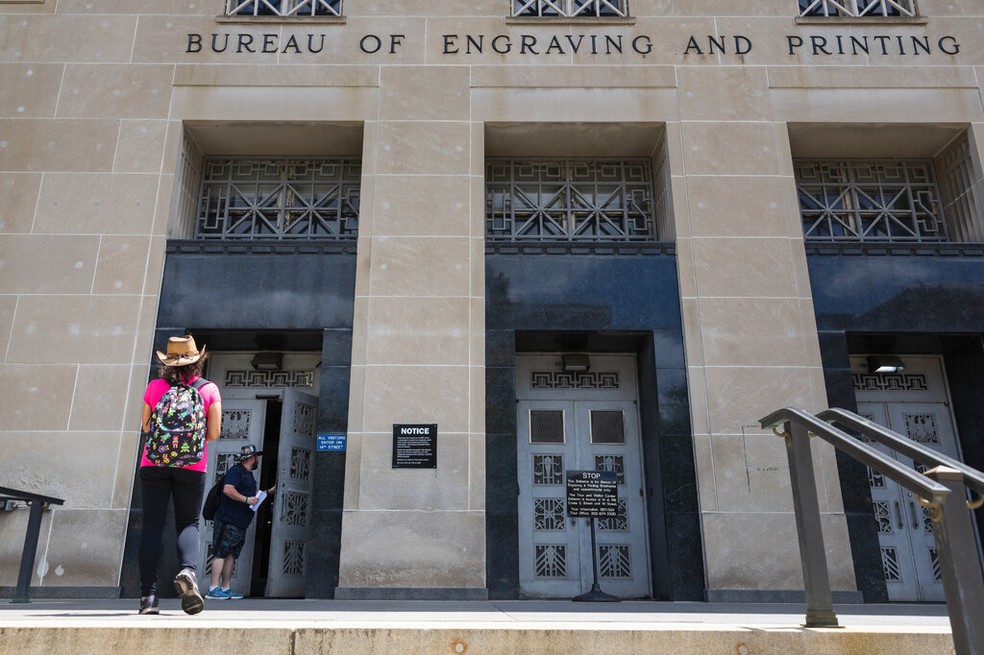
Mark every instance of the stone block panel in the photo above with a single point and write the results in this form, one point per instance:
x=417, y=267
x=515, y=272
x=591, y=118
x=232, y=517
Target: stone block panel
x=418, y=331
x=34, y=398
x=120, y=90
x=735, y=559
x=31, y=90
x=416, y=394
x=36, y=461
x=443, y=488
x=28, y=145
x=93, y=329
x=47, y=264
x=413, y=549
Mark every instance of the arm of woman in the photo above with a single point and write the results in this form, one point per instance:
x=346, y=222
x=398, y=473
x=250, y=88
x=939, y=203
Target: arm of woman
x=213, y=422
x=145, y=418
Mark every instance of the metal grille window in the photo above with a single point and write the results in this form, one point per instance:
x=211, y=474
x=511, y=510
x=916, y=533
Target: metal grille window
x=283, y=8
x=569, y=200
x=857, y=8
x=546, y=426
x=279, y=199
x=570, y=8
x=870, y=201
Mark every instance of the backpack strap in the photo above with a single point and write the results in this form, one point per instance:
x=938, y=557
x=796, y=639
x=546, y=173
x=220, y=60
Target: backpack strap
x=199, y=383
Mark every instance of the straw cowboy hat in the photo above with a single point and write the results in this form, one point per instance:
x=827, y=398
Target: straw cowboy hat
x=181, y=351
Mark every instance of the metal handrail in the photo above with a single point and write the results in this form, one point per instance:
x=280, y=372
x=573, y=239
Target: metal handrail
x=925, y=489
x=37, y=503
x=942, y=489
x=916, y=451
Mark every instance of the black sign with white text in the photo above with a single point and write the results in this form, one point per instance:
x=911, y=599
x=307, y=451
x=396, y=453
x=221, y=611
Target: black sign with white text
x=415, y=446
x=592, y=494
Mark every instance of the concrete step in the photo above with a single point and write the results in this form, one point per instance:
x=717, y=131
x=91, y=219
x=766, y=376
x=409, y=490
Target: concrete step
x=285, y=627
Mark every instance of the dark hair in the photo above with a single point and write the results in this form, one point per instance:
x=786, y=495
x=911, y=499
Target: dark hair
x=176, y=374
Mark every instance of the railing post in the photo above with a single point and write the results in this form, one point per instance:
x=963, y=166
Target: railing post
x=21, y=594
x=813, y=554
x=961, y=569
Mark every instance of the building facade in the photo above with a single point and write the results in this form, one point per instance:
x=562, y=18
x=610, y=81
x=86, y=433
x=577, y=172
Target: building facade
x=443, y=253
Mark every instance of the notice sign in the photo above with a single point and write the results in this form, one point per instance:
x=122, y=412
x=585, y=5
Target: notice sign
x=592, y=494
x=415, y=446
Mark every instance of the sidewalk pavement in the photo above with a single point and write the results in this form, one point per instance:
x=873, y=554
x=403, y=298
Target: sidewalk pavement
x=294, y=627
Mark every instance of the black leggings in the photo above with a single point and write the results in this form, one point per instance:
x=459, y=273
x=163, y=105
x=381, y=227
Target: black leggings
x=159, y=485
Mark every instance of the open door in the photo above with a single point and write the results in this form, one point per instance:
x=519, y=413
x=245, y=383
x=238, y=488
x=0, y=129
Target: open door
x=292, y=511
x=242, y=424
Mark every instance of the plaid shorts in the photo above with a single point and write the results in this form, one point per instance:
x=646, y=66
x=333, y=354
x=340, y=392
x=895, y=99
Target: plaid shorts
x=227, y=540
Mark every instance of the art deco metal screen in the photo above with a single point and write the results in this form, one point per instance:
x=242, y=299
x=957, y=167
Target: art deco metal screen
x=870, y=201
x=569, y=200
x=570, y=8
x=283, y=7
x=279, y=199
x=857, y=8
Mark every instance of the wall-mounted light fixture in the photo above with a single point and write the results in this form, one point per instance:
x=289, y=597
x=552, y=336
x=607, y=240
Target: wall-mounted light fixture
x=267, y=361
x=575, y=363
x=885, y=364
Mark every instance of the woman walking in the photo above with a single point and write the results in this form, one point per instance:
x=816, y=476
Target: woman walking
x=181, y=412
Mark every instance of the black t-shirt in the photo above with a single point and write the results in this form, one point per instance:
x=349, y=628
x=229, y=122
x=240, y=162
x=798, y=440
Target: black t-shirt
x=230, y=511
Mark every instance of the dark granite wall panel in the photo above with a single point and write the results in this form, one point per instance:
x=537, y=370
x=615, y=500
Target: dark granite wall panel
x=241, y=300
x=595, y=303
x=921, y=300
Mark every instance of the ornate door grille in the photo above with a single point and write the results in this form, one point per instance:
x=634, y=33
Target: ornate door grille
x=870, y=201
x=279, y=199
x=570, y=8
x=569, y=200
x=857, y=8
x=283, y=7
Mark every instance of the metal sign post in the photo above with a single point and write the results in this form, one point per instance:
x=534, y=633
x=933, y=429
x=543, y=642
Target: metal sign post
x=592, y=494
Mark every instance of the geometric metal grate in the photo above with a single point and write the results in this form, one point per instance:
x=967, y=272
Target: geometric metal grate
x=295, y=509
x=934, y=558
x=551, y=561
x=574, y=380
x=569, y=200
x=279, y=199
x=293, y=563
x=548, y=469
x=882, y=200
x=283, y=7
x=303, y=419
x=224, y=462
x=300, y=464
x=235, y=423
x=618, y=523
x=921, y=428
x=857, y=8
x=890, y=382
x=548, y=514
x=612, y=463
x=264, y=379
x=570, y=8
x=883, y=517
x=547, y=426
x=607, y=426
x=890, y=565
x=613, y=562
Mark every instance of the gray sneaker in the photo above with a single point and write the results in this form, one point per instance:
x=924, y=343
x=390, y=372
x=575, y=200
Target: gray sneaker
x=186, y=584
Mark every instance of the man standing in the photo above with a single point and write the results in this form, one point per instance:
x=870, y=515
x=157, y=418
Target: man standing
x=232, y=518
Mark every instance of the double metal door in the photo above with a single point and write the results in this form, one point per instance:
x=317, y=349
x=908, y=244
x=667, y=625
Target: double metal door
x=905, y=531
x=243, y=421
x=592, y=427
x=914, y=404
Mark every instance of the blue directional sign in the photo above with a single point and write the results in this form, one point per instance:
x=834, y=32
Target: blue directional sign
x=331, y=441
